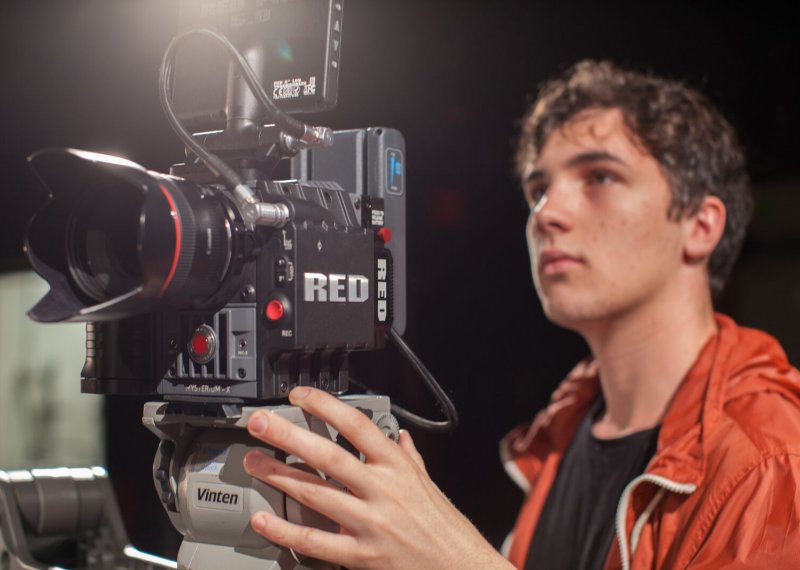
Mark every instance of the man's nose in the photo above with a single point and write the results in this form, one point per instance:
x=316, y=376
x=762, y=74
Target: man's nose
x=554, y=212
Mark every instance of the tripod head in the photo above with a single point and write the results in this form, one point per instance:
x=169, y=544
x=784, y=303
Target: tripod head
x=199, y=476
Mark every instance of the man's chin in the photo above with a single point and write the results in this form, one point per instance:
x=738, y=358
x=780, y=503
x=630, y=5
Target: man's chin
x=569, y=315
x=562, y=319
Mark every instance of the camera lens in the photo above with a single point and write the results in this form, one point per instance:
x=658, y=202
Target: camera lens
x=102, y=243
x=116, y=240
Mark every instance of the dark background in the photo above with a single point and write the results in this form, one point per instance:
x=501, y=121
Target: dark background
x=453, y=77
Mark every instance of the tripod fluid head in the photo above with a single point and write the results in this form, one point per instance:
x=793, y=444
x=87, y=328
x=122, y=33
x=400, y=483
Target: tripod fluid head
x=199, y=476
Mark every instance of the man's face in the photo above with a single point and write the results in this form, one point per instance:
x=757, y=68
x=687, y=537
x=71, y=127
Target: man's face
x=600, y=241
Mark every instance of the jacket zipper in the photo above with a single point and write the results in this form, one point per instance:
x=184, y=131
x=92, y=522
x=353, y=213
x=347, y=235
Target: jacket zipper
x=622, y=509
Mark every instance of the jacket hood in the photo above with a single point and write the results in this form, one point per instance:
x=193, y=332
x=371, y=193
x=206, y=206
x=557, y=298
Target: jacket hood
x=736, y=362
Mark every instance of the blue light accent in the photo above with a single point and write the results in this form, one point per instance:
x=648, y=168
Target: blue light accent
x=394, y=173
x=285, y=50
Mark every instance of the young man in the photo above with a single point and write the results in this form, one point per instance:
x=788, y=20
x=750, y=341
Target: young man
x=680, y=436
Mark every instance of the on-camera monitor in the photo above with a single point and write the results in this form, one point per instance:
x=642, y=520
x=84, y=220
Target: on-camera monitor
x=292, y=45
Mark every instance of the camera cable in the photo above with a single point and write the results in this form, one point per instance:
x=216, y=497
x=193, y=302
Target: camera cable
x=444, y=401
x=295, y=129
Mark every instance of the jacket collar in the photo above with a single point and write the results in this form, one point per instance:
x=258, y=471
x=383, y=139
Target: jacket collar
x=695, y=411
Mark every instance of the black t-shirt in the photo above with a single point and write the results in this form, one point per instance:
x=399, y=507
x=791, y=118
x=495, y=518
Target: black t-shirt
x=576, y=526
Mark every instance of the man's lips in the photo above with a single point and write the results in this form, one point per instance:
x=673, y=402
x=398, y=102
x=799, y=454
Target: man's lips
x=553, y=261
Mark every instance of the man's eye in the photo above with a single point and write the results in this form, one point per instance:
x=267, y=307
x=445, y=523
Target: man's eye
x=601, y=178
x=534, y=193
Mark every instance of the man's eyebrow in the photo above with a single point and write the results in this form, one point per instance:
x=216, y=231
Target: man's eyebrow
x=577, y=160
x=594, y=156
x=533, y=175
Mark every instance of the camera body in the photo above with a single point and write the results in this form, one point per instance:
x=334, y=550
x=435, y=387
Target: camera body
x=183, y=301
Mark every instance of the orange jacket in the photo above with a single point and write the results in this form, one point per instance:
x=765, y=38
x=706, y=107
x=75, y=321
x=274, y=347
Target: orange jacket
x=721, y=490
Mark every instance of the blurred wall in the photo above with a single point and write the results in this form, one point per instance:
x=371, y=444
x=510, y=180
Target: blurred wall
x=44, y=419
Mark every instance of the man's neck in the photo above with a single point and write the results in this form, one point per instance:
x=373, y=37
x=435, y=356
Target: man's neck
x=643, y=356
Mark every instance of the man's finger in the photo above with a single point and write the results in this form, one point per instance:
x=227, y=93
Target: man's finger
x=353, y=424
x=407, y=444
x=335, y=548
x=317, y=451
x=306, y=488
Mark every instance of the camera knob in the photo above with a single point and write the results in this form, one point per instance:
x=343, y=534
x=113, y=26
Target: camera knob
x=388, y=425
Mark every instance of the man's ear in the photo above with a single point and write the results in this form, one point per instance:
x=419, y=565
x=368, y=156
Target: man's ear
x=703, y=230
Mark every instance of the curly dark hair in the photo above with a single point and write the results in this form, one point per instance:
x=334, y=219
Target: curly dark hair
x=695, y=145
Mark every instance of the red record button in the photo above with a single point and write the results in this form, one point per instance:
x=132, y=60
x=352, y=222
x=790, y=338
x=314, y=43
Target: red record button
x=202, y=344
x=274, y=310
x=385, y=234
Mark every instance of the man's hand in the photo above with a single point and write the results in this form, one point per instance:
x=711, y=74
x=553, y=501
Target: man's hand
x=393, y=516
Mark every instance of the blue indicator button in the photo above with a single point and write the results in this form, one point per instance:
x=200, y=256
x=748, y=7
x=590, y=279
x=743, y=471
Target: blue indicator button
x=394, y=171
